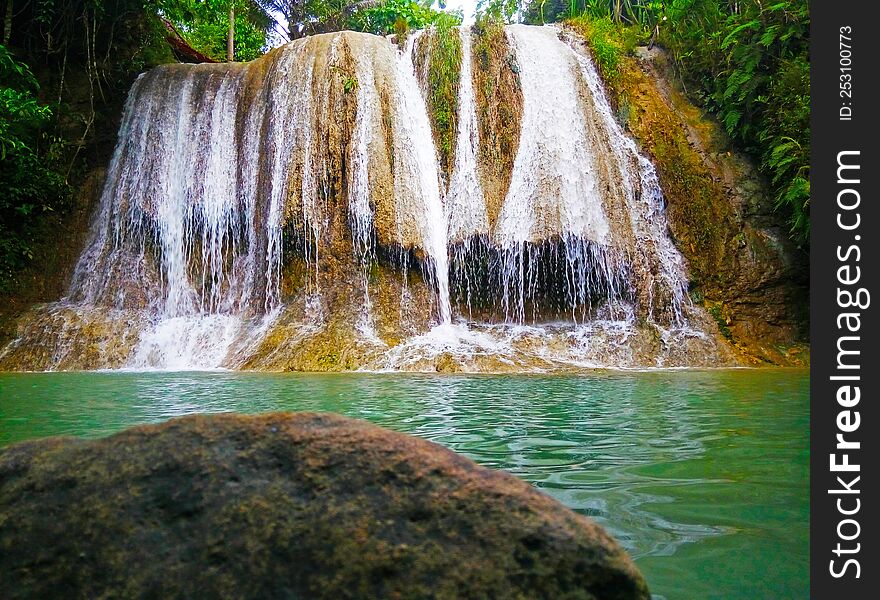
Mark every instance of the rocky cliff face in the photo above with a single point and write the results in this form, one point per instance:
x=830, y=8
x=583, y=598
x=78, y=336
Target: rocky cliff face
x=743, y=267
x=311, y=211
x=759, y=292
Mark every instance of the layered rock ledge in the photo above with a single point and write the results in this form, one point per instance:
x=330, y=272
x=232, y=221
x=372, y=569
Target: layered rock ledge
x=287, y=505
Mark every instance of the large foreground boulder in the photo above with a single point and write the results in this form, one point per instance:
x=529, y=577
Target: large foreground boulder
x=287, y=506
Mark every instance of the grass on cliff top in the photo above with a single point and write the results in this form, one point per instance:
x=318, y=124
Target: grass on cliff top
x=609, y=43
x=444, y=72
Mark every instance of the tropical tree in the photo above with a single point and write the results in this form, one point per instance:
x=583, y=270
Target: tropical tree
x=504, y=11
x=220, y=29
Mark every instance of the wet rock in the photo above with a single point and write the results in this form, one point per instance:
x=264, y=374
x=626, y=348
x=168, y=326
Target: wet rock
x=70, y=337
x=741, y=261
x=287, y=505
x=446, y=363
x=499, y=112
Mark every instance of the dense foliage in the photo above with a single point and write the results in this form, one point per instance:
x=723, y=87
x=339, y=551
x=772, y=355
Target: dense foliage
x=444, y=70
x=396, y=16
x=609, y=43
x=299, y=18
x=67, y=66
x=746, y=61
x=31, y=186
x=749, y=64
x=204, y=24
x=642, y=13
x=498, y=11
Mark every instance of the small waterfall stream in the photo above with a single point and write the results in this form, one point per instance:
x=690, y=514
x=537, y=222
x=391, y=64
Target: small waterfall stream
x=466, y=214
x=418, y=187
x=555, y=188
x=465, y=204
x=257, y=213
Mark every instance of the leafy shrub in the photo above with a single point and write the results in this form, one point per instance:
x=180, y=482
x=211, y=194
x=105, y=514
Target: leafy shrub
x=395, y=16
x=609, y=42
x=30, y=188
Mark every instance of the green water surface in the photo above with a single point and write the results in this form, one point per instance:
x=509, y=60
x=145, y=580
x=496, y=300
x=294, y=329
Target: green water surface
x=701, y=475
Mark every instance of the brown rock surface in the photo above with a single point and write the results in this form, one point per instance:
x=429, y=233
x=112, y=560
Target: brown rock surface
x=287, y=505
x=499, y=112
x=744, y=269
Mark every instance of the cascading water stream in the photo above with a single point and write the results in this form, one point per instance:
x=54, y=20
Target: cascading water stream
x=554, y=189
x=645, y=204
x=360, y=213
x=182, y=203
x=416, y=157
x=468, y=220
x=465, y=203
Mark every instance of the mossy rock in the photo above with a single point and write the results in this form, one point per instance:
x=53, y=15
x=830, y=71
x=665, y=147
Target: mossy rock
x=287, y=506
x=744, y=271
x=499, y=111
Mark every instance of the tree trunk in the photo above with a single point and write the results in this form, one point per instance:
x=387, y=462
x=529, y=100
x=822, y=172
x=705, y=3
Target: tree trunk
x=7, y=23
x=230, y=39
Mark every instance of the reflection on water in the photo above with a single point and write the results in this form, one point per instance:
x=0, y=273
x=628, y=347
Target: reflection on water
x=701, y=475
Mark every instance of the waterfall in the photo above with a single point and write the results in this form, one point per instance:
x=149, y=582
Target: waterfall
x=418, y=189
x=258, y=215
x=465, y=204
x=468, y=221
x=169, y=220
x=360, y=213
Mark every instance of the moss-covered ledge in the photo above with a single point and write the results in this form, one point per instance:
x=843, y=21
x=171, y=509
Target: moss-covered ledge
x=743, y=268
x=438, y=65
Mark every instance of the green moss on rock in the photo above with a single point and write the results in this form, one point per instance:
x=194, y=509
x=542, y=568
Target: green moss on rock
x=720, y=212
x=439, y=62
